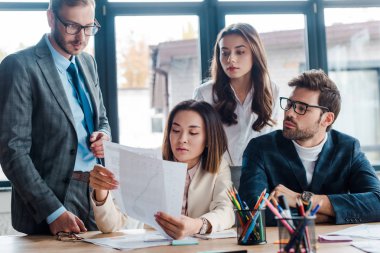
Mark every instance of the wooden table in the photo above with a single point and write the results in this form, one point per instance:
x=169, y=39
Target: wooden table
x=37, y=244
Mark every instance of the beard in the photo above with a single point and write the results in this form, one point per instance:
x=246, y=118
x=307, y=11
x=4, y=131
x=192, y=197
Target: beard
x=300, y=134
x=64, y=44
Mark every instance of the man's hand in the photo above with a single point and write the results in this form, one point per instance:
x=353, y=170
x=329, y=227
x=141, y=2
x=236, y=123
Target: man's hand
x=178, y=228
x=67, y=222
x=290, y=195
x=96, y=140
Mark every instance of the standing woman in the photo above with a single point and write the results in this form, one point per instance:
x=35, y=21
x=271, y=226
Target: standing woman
x=193, y=135
x=240, y=90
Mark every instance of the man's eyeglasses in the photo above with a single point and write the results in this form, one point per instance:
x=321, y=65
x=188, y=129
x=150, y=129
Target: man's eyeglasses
x=298, y=107
x=73, y=28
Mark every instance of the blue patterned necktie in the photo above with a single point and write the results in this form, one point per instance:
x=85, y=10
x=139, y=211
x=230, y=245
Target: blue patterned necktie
x=82, y=98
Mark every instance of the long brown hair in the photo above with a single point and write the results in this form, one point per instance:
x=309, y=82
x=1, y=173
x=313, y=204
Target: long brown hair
x=216, y=139
x=223, y=96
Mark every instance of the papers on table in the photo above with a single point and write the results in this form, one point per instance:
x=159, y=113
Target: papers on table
x=334, y=238
x=147, y=184
x=364, y=231
x=135, y=240
x=361, y=231
x=229, y=233
x=368, y=246
x=140, y=238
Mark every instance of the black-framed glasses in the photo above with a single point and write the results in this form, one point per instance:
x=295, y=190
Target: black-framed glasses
x=73, y=28
x=298, y=107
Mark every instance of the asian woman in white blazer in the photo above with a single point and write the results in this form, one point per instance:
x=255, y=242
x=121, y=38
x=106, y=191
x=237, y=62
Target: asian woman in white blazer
x=194, y=135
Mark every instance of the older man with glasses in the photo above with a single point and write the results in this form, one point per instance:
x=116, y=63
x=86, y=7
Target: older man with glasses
x=308, y=162
x=52, y=124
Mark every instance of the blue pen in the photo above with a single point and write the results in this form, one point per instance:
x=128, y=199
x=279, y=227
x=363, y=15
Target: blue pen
x=315, y=210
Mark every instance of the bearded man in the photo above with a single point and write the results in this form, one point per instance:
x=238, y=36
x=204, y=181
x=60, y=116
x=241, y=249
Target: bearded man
x=52, y=124
x=307, y=160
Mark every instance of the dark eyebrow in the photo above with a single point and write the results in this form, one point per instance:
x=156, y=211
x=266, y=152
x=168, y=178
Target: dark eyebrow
x=69, y=22
x=191, y=126
x=299, y=102
x=240, y=46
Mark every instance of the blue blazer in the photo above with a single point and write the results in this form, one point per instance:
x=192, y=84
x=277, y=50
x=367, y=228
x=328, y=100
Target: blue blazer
x=342, y=172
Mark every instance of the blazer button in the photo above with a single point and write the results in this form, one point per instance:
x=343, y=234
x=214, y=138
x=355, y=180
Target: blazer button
x=72, y=151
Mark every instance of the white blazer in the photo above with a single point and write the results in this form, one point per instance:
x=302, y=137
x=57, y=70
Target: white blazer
x=207, y=197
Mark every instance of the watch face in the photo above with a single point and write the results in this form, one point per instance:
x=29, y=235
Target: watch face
x=306, y=196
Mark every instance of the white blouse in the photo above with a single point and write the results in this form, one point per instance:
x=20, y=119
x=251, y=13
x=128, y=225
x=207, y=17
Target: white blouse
x=240, y=134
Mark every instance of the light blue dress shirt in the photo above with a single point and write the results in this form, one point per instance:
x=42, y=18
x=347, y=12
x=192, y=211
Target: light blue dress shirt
x=85, y=160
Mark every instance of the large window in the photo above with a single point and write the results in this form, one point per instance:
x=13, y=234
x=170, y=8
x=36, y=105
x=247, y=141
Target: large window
x=20, y=35
x=353, y=46
x=155, y=71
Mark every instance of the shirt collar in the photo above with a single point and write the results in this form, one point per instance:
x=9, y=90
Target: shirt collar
x=60, y=61
x=247, y=98
x=317, y=148
x=192, y=171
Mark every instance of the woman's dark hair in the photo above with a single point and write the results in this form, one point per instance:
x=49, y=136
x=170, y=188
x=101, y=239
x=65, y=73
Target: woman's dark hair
x=216, y=139
x=223, y=96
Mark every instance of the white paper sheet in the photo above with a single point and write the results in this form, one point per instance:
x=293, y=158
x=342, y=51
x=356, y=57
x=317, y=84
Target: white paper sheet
x=112, y=152
x=132, y=241
x=139, y=238
x=362, y=231
x=147, y=184
x=367, y=246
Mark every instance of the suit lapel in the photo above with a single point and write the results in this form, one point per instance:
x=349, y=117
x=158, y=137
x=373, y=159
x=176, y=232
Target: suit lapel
x=290, y=155
x=322, y=165
x=89, y=83
x=49, y=70
x=191, y=196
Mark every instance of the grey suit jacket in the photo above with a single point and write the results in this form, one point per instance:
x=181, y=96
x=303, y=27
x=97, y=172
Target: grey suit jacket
x=38, y=140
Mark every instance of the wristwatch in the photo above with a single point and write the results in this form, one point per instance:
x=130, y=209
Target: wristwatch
x=306, y=197
x=204, y=227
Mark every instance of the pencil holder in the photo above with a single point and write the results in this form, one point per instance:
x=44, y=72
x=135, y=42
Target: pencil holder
x=297, y=234
x=250, y=227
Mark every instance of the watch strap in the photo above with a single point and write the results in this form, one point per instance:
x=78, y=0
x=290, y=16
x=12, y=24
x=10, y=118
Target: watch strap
x=204, y=227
